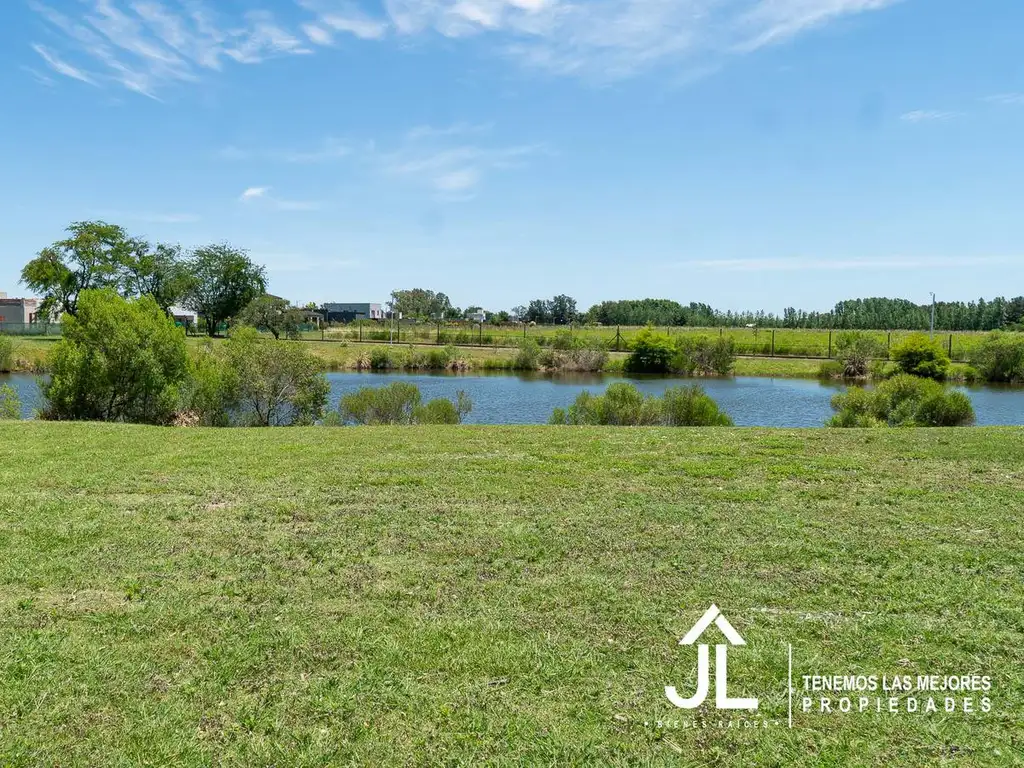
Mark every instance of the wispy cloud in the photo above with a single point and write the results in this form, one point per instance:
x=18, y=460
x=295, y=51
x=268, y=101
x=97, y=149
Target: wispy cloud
x=328, y=150
x=443, y=160
x=148, y=45
x=254, y=195
x=1006, y=99
x=61, y=67
x=145, y=45
x=799, y=263
x=928, y=115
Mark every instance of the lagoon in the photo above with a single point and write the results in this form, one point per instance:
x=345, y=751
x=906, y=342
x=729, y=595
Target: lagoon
x=530, y=398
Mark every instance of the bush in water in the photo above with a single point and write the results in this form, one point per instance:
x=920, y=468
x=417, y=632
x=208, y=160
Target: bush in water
x=400, y=403
x=624, y=405
x=902, y=401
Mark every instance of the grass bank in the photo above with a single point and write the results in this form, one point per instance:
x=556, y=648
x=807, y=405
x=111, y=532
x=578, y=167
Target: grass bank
x=448, y=595
x=30, y=356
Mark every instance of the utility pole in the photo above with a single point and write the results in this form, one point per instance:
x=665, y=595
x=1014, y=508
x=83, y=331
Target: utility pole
x=933, y=316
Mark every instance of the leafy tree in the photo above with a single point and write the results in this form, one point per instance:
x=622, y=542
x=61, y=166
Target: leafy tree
x=539, y=312
x=275, y=384
x=423, y=304
x=221, y=282
x=91, y=256
x=118, y=360
x=274, y=314
x=155, y=271
x=563, y=310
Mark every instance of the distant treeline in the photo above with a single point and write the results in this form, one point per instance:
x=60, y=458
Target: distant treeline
x=854, y=314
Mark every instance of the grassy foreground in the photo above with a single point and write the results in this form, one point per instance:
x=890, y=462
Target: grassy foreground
x=513, y=595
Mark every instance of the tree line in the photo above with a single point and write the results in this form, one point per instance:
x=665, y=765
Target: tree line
x=217, y=281
x=220, y=282
x=851, y=314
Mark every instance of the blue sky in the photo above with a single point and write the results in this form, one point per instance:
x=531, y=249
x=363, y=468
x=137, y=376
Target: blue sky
x=747, y=153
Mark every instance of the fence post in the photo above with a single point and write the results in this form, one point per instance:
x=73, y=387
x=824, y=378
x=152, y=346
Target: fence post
x=439, y=333
x=951, y=346
x=480, y=337
x=618, y=337
x=830, y=344
x=773, y=342
x=888, y=342
x=399, y=330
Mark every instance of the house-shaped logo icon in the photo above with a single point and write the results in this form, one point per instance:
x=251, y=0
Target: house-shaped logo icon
x=712, y=615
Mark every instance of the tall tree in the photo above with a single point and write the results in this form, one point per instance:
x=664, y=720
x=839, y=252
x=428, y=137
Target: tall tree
x=90, y=257
x=563, y=310
x=158, y=272
x=221, y=282
x=421, y=303
x=274, y=314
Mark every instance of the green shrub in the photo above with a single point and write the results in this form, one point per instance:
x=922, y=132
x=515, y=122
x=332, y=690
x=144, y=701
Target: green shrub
x=704, y=355
x=624, y=405
x=528, y=356
x=380, y=359
x=651, y=353
x=855, y=352
x=10, y=403
x=274, y=383
x=209, y=393
x=118, y=360
x=400, y=403
x=691, y=407
x=831, y=369
x=918, y=355
x=6, y=354
x=902, y=401
x=1000, y=357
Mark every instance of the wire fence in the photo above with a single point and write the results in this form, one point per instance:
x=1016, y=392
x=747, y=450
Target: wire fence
x=30, y=329
x=764, y=342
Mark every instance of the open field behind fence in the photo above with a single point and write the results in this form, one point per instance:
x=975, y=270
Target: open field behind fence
x=779, y=342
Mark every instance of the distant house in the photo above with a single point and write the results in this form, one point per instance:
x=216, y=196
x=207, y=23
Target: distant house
x=184, y=317
x=346, y=313
x=19, y=311
x=477, y=317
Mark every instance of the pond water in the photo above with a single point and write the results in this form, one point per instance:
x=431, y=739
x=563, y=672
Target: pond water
x=529, y=399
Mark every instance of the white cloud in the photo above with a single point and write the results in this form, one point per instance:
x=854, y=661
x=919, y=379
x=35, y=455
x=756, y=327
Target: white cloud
x=799, y=263
x=927, y=115
x=262, y=195
x=147, y=45
x=254, y=193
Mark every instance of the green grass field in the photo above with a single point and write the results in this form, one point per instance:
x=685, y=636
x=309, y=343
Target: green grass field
x=762, y=341
x=505, y=595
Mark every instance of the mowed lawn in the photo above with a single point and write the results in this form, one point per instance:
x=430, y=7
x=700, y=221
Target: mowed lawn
x=386, y=596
